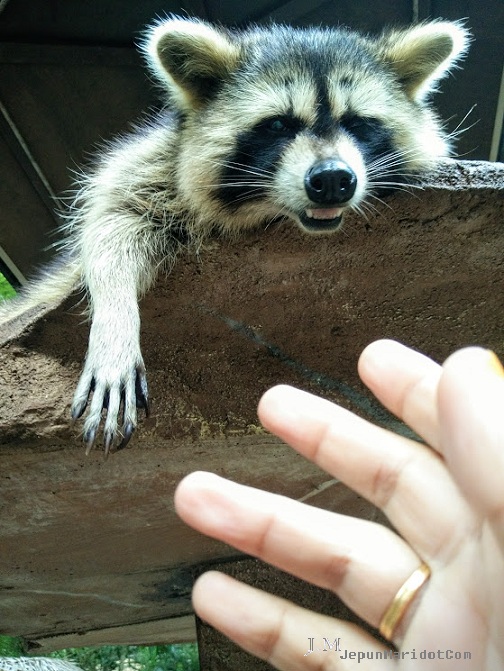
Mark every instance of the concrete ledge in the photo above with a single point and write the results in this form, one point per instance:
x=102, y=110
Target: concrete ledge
x=89, y=546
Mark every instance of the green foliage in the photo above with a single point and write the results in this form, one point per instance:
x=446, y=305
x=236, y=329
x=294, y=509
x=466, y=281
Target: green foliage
x=6, y=291
x=134, y=658
x=183, y=657
x=11, y=647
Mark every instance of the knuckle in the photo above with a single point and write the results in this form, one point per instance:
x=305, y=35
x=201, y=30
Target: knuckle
x=335, y=571
x=273, y=638
x=384, y=483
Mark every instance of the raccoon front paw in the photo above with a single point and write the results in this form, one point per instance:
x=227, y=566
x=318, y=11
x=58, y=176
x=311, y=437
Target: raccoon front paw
x=118, y=393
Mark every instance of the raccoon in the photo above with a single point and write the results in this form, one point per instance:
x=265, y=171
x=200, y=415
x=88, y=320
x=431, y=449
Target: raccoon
x=260, y=124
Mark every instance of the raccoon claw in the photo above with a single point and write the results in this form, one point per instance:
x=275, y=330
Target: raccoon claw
x=114, y=399
x=127, y=433
x=78, y=410
x=141, y=392
x=109, y=439
x=89, y=439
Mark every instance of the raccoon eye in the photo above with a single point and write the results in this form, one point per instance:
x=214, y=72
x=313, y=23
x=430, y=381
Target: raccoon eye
x=354, y=122
x=277, y=126
x=361, y=127
x=281, y=125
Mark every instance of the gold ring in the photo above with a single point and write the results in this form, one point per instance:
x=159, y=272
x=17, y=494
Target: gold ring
x=402, y=600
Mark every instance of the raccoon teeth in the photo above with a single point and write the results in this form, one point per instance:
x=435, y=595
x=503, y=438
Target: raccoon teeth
x=325, y=213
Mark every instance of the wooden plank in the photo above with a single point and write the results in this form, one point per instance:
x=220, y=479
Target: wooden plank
x=174, y=630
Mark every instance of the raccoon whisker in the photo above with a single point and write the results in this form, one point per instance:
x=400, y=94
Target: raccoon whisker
x=238, y=163
x=237, y=185
x=414, y=152
x=379, y=200
x=458, y=130
x=283, y=212
x=457, y=133
x=249, y=171
x=393, y=156
x=403, y=189
x=387, y=181
x=365, y=207
x=388, y=163
x=398, y=186
x=387, y=170
x=397, y=158
x=387, y=173
x=409, y=187
x=362, y=210
x=390, y=178
x=367, y=214
x=389, y=160
x=252, y=195
x=465, y=153
x=247, y=177
x=242, y=167
x=255, y=186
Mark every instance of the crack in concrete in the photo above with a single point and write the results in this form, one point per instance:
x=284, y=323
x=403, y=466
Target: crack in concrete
x=369, y=407
x=320, y=488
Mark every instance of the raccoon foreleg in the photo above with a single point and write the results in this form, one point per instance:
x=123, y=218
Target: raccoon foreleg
x=118, y=264
x=114, y=371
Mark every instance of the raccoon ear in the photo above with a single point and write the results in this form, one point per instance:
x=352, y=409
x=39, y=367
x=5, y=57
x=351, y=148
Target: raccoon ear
x=191, y=58
x=424, y=54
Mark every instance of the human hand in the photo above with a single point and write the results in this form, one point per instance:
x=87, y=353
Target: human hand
x=446, y=500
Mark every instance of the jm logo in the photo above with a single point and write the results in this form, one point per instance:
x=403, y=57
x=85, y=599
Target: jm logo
x=327, y=646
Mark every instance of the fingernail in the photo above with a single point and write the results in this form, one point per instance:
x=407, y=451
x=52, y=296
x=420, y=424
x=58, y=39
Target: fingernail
x=495, y=364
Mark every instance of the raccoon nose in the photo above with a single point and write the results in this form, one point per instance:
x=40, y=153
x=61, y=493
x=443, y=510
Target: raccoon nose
x=330, y=181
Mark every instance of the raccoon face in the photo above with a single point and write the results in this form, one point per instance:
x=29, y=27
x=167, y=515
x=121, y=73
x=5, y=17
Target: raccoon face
x=307, y=167
x=301, y=123
x=285, y=162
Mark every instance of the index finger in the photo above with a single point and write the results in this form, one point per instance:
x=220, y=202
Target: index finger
x=404, y=478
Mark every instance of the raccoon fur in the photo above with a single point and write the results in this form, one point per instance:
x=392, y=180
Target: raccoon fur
x=263, y=123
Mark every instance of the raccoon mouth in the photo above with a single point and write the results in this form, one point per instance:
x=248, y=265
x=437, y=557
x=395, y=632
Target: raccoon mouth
x=322, y=219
